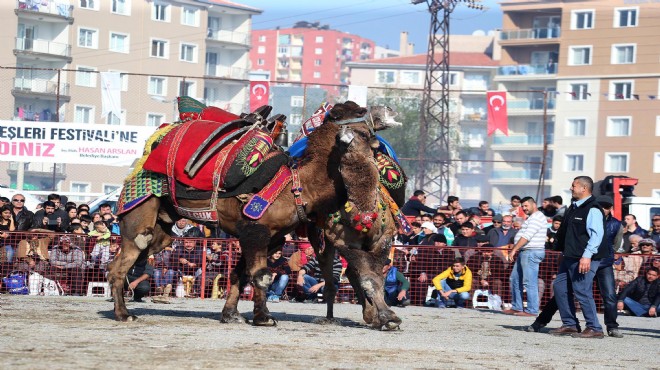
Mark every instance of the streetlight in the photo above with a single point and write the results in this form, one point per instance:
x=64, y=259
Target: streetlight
x=174, y=101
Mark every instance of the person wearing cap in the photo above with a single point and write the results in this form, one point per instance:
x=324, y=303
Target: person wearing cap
x=67, y=261
x=396, y=286
x=299, y=259
x=431, y=236
x=496, y=221
x=422, y=262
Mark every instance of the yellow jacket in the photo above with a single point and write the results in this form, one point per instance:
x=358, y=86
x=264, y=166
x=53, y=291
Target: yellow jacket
x=452, y=281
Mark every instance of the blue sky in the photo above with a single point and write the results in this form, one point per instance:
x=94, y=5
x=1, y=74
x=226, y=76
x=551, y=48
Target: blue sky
x=378, y=20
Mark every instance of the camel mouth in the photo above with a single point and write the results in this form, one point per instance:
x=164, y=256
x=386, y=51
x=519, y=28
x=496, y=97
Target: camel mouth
x=346, y=136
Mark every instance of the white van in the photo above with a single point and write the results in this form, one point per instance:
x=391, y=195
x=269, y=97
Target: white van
x=31, y=202
x=111, y=198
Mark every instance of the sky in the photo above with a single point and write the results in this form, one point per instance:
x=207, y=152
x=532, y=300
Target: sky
x=378, y=20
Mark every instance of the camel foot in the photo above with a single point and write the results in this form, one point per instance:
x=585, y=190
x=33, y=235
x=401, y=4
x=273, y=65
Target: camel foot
x=391, y=325
x=126, y=318
x=232, y=317
x=326, y=321
x=266, y=320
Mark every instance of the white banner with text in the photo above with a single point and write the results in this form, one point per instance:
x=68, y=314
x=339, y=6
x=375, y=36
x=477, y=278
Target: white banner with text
x=77, y=143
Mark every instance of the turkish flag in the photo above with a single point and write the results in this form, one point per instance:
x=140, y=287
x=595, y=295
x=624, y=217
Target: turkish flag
x=497, y=117
x=259, y=92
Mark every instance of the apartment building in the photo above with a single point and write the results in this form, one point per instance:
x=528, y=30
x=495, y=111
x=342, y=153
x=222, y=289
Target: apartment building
x=161, y=48
x=308, y=53
x=597, y=63
x=471, y=75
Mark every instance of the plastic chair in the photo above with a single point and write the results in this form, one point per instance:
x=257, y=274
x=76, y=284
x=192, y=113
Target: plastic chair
x=98, y=284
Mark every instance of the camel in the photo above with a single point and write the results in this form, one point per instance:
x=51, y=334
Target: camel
x=336, y=152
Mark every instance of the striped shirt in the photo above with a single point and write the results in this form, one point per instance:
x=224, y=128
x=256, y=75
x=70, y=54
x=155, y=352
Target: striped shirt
x=312, y=267
x=534, y=230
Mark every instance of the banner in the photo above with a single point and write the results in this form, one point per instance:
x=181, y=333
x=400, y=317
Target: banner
x=76, y=143
x=497, y=116
x=259, y=92
x=110, y=93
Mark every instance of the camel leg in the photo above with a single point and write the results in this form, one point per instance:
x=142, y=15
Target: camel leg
x=255, y=244
x=138, y=229
x=237, y=280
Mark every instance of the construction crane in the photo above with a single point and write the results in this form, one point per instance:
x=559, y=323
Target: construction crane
x=434, y=133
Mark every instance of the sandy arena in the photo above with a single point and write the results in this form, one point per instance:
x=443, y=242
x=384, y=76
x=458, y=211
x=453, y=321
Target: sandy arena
x=79, y=332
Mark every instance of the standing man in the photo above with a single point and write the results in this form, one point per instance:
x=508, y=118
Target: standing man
x=415, y=205
x=530, y=241
x=22, y=216
x=581, y=236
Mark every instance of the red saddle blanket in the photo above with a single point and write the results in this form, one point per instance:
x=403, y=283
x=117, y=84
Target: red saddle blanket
x=243, y=156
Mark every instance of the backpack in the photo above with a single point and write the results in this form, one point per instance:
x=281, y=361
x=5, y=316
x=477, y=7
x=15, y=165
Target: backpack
x=15, y=283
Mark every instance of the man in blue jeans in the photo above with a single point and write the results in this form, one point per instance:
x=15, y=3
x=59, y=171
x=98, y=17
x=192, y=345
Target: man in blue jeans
x=530, y=241
x=642, y=295
x=454, y=283
x=581, y=237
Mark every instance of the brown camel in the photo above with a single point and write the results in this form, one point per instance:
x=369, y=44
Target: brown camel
x=332, y=151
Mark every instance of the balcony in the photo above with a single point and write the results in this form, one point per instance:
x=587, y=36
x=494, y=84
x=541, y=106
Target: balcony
x=526, y=71
x=514, y=175
x=473, y=117
x=237, y=38
x=470, y=168
x=40, y=88
x=535, y=34
x=51, y=12
x=522, y=140
x=38, y=49
x=236, y=73
x=476, y=142
x=523, y=107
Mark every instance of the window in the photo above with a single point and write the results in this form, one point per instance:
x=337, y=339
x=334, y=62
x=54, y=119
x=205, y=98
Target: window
x=262, y=38
x=284, y=39
x=453, y=78
x=579, y=91
x=296, y=119
x=86, y=76
x=618, y=126
x=317, y=74
x=297, y=101
x=616, y=162
x=317, y=62
x=385, y=77
x=574, y=163
x=260, y=62
x=79, y=187
x=157, y=86
x=109, y=188
x=261, y=50
x=623, y=54
x=83, y=114
x=118, y=42
x=582, y=19
x=625, y=17
x=113, y=119
x=155, y=119
x=621, y=90
x=187, y=88
x=122, y=7
x=88, y=38
x=189, y=16
x=576, y=127
x=159, y=48
x=656, y=162
x=410, y=78
x=160, y=12
x=188, y=53
x=319, y=39
x=90, y=4
x=579, y=55
x=318, y=51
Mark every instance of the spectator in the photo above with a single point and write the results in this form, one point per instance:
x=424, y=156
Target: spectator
x=454, y=283
x=431, y=237
x=490, y=270
x=517, y=223
x=642, y=296
x=550, y=235
x=415, y=237
x=516, y=210
x=310, y=279
x=530, y=241
x=68, y=261
x=178, y=229
x=106, y=209
x=23, y=218
x=396, y=286
x=646, y=253
x=103, y=253
x=96, y=216
x=59, y=210
x=548, y=208
x=496, y=222
x=6, y=224
x=189, y=261
x=49, y=218
x=300, y=258
x=163, y=273
x=501, y=237
x=32, y=253
x=71, y=212
x=100, y=233
x=279, y=270
x=453, y=206
x=476, y=222
x=111, y=222
x=460, y=218
x=4, y=201
x=466, y=238
x=83, y=207
x=137, y=278
x=485, y=210
x=630, y=227
x=440, y=221
x=415, y=205
x=581, y=235
x=85, y=221
x=558, y=203
x=654, y=233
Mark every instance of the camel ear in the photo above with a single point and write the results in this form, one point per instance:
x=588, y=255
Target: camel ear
x=360, y=176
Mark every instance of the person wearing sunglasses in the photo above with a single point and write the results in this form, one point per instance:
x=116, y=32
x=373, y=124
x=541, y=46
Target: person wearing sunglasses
x=22, y=216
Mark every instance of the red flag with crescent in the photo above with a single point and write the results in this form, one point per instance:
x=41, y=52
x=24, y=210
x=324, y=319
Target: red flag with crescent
x=497, y=116
x=259, y=92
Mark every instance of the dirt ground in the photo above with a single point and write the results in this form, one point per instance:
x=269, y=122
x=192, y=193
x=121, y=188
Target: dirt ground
x=80, y=333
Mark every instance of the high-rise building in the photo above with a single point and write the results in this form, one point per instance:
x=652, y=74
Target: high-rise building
x=308, y=53
x=597, y=64
x=162, y=49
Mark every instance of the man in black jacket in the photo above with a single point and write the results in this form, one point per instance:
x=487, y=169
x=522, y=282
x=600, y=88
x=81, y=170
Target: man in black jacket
x=22, y=216
x=641, y=296
x=415, y=205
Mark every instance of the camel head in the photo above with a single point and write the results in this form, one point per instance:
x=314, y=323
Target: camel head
x=383, y=117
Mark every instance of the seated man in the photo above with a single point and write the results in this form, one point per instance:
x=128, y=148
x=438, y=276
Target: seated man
x=312, y=285
x=138, y=279
x=279, y=269
x=454, y=283
x=641, y=296
x=68, y=261
x=396, y=286
x=490, y=270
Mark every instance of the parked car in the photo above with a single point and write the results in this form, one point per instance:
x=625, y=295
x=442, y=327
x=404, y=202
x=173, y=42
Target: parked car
x=110, y=198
